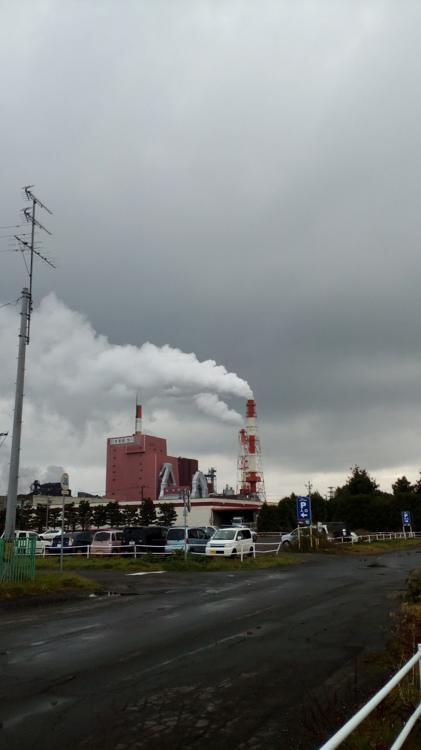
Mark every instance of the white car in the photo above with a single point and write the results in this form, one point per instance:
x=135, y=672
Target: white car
x=291, y=539
x=48, y=536
x=39, y=544
x=231, y=542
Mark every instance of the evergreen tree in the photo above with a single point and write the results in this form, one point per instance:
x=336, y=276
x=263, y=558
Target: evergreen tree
x=402, y=486
x=268, y=518
x=167, y=514
x=84, y=514
x=359, y=483
x=70, y=517
x=130, y=516
x=99, y=516
x=287, y=513
x=53, y=517
x=147, y=512
x=417, y=486
x=114, y=515
x=24, y=518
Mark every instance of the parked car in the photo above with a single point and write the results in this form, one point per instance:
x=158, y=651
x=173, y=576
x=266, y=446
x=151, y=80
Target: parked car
x=76, y=542
x=106, y=542
x=149, y=538
x=339, y=530
x=25, y=535
x=48, y=536
x=231, y=542
x=331, y=531
x=238, y=525
x=290, y=539
x=197, y=537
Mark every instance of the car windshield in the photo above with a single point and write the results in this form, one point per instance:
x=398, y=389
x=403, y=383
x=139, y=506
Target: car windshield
x=102, y=536
x=225, y=534
x=133, y=534
x=175, y=535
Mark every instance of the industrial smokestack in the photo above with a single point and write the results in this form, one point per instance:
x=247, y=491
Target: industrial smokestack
x=250, y=471
x=138, y=427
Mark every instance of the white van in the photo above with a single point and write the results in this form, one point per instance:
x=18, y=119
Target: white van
x=39, y=544
x=231, y=542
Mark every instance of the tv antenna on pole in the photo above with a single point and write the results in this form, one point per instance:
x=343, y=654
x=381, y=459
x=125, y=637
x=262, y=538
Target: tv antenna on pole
x=29, y=214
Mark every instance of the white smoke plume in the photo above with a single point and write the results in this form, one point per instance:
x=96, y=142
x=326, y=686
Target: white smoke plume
x=79, y=390
x=52, y=474
x=210, y=405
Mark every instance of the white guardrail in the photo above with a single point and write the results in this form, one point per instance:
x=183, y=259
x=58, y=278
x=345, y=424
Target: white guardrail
x=366, y=710
x=137, y=550
x=379, y=536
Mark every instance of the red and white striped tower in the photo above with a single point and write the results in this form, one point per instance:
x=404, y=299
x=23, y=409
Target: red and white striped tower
x=250, y=469
x=138, y=424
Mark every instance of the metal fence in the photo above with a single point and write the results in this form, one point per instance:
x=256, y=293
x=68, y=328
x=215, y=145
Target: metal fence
x=17, y=560
x=366, y=710
x=140, y=550
x=378, y=536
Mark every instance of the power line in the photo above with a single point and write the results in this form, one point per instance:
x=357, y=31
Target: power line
x=12, y=226
x=26, y=246
x=10, y=303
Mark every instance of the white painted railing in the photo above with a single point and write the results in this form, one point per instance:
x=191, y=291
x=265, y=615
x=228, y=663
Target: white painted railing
x=366, y=710
x=378, y=536
x=138, y=550
x=132, y=550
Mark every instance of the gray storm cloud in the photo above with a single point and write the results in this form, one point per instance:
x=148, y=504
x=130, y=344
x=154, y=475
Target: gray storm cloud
x=234, y=179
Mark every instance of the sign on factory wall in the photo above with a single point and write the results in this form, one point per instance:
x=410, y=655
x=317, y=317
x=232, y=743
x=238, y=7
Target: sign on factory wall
x=175, y=490
x=122, y=440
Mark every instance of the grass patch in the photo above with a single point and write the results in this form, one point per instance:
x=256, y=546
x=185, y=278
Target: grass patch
x=379, y=731
x=170, y=563
x=374, y=548
x=47, y=583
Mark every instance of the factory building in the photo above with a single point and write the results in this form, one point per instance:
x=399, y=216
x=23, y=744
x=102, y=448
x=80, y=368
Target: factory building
x=139, y=467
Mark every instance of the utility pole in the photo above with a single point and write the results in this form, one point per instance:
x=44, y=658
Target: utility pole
x=12, y=491
x=26, y=310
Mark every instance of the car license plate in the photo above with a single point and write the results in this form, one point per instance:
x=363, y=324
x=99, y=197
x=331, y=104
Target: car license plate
x=213, y=551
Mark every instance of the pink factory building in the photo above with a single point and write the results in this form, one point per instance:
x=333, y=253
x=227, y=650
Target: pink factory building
x=136, y=465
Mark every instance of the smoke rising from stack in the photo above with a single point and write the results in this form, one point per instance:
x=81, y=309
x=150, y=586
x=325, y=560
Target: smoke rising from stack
x=79, y=384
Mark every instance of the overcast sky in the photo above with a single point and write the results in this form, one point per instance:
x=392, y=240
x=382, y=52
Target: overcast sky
x=234, y=179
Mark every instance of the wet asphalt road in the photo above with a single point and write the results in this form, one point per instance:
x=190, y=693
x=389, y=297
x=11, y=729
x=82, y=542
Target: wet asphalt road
x=261, y=659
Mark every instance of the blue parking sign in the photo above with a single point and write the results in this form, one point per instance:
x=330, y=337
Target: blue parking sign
x=304, y=509
x=406, y=518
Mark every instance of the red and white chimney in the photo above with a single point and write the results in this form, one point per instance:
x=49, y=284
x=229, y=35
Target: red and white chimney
x=250, y=470
x=138, y=426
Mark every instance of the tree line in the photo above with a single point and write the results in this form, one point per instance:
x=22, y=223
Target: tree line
x=83, y=516
x=359, y=503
